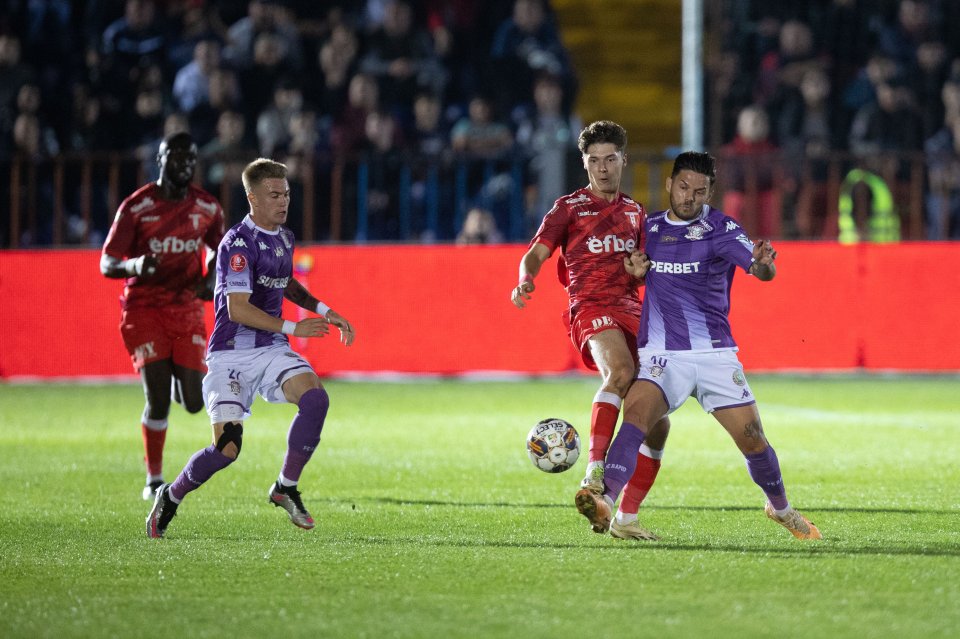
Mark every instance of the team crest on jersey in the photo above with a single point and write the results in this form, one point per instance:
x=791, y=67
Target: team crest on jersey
x=738, y=378
x=695, y=232
x=195, y=218
x=657, y=366
x=634, y=216
x=238, y=262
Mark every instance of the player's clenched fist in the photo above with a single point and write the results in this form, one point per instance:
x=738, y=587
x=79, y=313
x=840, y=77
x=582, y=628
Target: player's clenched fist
x=522, y=292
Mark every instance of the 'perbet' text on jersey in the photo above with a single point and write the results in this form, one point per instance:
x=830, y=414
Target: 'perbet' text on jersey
x=687, y=295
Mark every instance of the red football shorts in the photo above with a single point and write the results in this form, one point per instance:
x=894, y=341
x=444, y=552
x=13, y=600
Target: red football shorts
x=591, y=320
x=177, y=332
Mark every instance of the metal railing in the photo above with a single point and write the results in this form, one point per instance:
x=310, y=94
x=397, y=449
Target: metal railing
x=71, y=199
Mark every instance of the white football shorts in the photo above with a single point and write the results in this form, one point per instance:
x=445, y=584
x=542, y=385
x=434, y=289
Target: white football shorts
x=715, y=378
x=233, y=377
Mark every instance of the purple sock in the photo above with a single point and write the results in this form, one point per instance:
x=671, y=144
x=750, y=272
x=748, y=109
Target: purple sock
x=621, y=459
x=304, y=432
x=764, y=469
x=199, y=469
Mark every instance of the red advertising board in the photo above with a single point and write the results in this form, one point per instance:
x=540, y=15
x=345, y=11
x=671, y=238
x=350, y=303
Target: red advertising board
x=446, y=309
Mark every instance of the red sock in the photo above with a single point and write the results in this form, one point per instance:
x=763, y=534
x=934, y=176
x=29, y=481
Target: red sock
x=639, y=485
x=602, y=422
x=153, y=449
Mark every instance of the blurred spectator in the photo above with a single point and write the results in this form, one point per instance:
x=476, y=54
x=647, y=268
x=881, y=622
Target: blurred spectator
x=889, y=124
x=429, y=136
x=384, y=160
x=479, y=134
x=549, y=138
x=223, y=94
x=198, y=21
x=899, y=39
x=89, y=132
x=337, y=59
x=525, y=45
x=147, y=119
x=13, y=75
x=228, y=152
x=943, y=175
x=807, y=131
x=751, y=191
x=479, y=227
x=132, y=42
x=257, y=80
x=191, y=86
x=273, y=125
x=400, y=56
x=263, y=17
x=782, y=69
x=349, y=127
x=926, y=81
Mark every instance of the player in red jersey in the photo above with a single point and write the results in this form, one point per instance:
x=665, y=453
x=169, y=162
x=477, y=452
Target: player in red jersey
x=157, y=244
x=596, y=228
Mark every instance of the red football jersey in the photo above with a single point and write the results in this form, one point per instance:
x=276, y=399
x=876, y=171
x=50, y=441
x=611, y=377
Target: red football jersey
x=594, y=236
x=176, y=231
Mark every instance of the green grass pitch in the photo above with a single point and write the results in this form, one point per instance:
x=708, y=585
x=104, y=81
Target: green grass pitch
x=432, y=522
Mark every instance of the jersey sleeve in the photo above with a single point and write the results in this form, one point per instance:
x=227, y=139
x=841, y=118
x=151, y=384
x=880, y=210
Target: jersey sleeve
x=553, y=230
x=236, y=262
x=734, y=246
x=214, y=234
x=120, y=239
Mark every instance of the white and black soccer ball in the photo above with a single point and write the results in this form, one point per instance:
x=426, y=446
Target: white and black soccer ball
x=553, y=445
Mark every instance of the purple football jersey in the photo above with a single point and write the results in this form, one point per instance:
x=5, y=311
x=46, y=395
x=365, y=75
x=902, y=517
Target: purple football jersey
x=687, y=294
x=251, y=260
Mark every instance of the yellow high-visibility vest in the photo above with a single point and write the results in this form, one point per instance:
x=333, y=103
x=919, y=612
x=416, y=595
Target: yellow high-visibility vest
x=884, y=224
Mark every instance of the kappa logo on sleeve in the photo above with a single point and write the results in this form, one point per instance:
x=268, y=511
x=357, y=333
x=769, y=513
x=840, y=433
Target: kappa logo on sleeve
x=238, y=262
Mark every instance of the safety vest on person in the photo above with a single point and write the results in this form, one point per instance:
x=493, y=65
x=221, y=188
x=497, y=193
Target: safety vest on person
x=884, y=224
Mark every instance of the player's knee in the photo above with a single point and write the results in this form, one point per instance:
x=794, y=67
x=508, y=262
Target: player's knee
x=157, y=410
x=619, y=379
x=231, y=439
x=315, y=402
x=193, y=404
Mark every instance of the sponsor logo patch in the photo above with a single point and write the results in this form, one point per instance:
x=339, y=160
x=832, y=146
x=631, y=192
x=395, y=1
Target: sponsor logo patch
x=238, y=262
x=610, y=244
x=738, y=378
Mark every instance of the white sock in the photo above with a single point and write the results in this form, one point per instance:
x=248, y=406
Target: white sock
x=626, y=518
x=286, y=483
x=153, y=478
x=592, y=465
x=782, y=513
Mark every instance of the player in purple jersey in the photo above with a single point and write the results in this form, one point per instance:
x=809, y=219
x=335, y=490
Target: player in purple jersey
x=684, y=343
x=249, y=351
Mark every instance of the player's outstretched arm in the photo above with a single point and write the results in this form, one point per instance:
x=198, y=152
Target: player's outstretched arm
x=299, y=295
x=637, y=264
x=142, y=266
x=529, y=268
x=763, y=267
x=243, y=312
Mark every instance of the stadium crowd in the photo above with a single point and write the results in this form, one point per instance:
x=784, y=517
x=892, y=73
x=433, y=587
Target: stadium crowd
x=388, y=80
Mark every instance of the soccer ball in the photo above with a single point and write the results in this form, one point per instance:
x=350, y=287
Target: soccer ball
x=553, y=445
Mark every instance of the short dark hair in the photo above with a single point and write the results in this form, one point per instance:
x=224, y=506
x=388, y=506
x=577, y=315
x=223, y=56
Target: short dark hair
x=702, y=163
x=602, y=132
x=262, y=169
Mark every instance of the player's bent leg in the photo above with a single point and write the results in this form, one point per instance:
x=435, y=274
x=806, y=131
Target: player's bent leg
x=205, y=463
x=612, y=356
x=306, y=391
x=645, y=474
x=188, y=383
x=743, y=424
